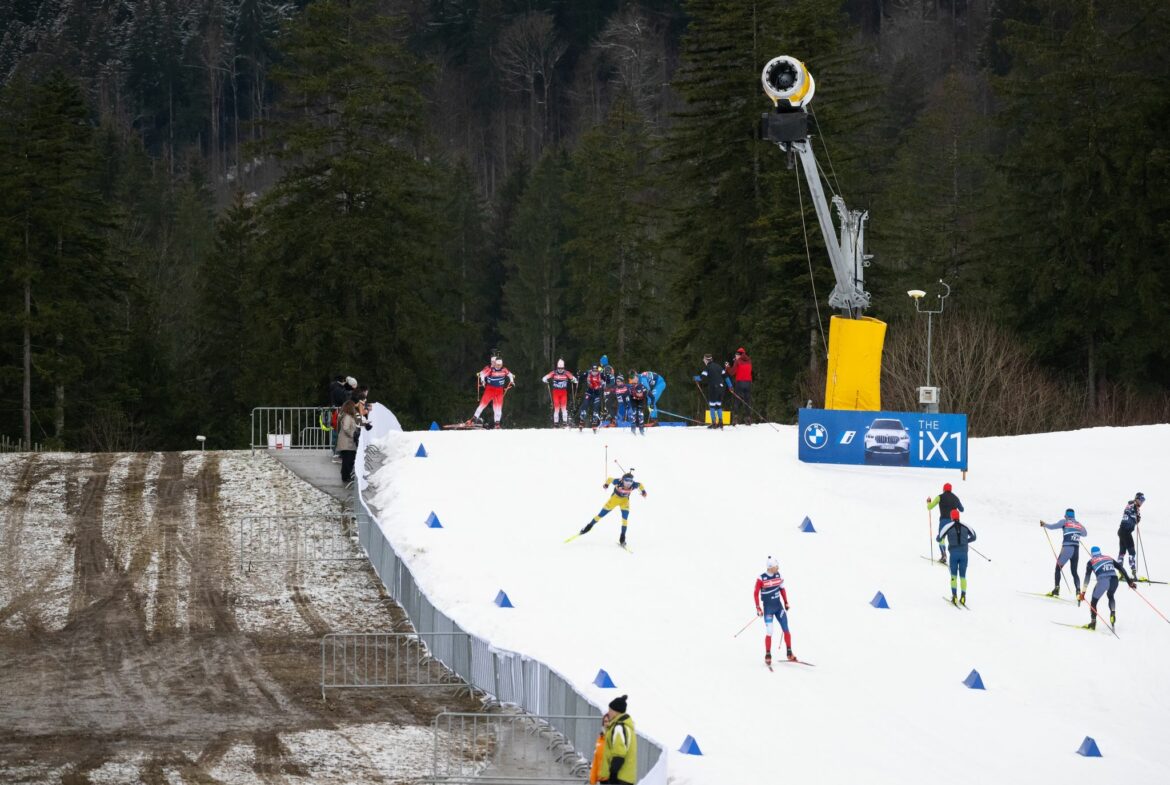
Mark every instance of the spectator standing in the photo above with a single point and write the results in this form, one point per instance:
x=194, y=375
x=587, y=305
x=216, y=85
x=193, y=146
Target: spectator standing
x=347, y=427
x=619, y=757
x=337, y=395
x=741, y=379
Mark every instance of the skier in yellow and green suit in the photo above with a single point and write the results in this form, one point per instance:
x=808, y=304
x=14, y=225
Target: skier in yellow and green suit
x=622, y=489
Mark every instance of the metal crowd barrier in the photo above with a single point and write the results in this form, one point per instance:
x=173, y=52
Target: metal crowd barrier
x=291, y=428
x=391, y=659
x=509, y=677
x=267, y=539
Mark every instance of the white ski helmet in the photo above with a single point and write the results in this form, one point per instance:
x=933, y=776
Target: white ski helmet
x=772, y=563
x=560, y=365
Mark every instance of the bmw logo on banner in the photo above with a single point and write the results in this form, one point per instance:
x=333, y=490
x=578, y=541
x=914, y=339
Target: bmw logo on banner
x=815, y=436
x=937, y=441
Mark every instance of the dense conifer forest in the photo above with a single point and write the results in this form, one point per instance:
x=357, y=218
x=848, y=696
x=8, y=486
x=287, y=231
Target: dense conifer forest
x=209, y=205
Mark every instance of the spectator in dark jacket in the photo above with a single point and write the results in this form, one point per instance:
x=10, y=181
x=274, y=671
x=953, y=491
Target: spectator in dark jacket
x=741, y=379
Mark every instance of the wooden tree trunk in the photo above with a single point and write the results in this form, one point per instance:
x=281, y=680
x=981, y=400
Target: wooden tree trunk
x=27, y=392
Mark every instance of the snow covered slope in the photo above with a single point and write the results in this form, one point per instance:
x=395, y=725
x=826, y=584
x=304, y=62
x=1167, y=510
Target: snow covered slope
x=885, y=702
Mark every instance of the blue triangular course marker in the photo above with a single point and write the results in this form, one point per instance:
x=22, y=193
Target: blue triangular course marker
x=603, y=680
x=435, y=426
x=806, y=526
x=421, y=452
x=690, y=746
x=879, y=601
x=503, y=601
x=1089, y=748
x=974, y=681
x=433, y=522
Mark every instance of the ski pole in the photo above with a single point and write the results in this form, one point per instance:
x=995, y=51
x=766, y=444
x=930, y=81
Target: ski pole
x=615, y=460
x=972, y=547
x=703, y=402
x=679, y=416
x=605, y=469
x=930, y=534
x=752, y=410
x=1142, y=548
x=1056, y=558
x=1147, y=602
x=551, y=405
x=744, y=627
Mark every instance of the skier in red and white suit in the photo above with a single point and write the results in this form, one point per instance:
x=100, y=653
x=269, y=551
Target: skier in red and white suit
x=496, y=381
x=558, y=382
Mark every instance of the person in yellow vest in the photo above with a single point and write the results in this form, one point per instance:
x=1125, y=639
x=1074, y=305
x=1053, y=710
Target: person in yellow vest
x=619, y=758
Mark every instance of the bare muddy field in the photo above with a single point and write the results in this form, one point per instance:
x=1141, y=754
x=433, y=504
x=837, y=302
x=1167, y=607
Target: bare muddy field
x=133, y=648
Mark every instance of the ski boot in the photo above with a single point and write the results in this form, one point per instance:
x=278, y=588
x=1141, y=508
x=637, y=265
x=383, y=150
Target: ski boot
x=1112, y=619
x=963, y=599
x=588, y=526
x=1054, y=593
x=942, y=555
x=954, y=600
x=1092, y=625
x=768, y=658
x=791, y=656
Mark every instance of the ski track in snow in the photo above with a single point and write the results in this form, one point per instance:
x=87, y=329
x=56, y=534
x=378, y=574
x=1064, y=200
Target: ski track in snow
x=886, y=703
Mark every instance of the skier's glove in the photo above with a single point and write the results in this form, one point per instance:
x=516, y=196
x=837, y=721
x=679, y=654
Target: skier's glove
x=1081, y=597
x=785, y=606
x=605, y=486
x=1132, y=585
x=695, y=378
x=643, y=494
x=759, y=611
x=368, y=426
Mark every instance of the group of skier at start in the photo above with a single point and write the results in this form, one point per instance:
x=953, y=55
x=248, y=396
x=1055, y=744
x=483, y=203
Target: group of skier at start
x=610, y=399
x=954, y=536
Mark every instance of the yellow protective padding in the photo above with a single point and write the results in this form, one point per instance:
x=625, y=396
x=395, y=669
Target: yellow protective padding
x=854, y=377
x=725, y=414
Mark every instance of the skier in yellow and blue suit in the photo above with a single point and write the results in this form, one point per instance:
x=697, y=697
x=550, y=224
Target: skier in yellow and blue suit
x=621, y=498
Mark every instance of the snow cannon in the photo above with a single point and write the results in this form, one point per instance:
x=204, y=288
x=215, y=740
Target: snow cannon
x=788, y=82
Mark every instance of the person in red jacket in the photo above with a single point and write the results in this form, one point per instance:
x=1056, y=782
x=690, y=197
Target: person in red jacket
x=558, y=381
x=496, y=380
x=741, y=379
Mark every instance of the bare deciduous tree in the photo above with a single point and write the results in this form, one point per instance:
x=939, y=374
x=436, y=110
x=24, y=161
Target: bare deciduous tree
x=526, y=55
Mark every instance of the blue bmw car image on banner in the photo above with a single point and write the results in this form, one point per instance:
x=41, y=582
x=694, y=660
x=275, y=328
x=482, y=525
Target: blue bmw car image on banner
x=935, y=441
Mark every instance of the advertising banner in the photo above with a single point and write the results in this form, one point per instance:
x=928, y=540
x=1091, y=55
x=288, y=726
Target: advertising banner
x=934, y=441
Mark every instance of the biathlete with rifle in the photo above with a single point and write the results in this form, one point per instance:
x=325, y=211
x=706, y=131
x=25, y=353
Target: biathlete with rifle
x=496, y=381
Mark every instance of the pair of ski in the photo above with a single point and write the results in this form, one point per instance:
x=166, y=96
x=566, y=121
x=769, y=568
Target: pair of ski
x=625, y=547
x=1108, y=626
x=1049, y=596
x=768, y=665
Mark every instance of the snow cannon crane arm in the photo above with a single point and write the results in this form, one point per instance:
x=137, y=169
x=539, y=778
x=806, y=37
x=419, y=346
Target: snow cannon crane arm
x=790, y=86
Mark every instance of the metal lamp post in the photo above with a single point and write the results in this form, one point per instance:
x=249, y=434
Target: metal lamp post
x=928, y=395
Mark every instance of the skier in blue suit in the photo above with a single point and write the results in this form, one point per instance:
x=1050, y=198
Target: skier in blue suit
x=655, y=386
x=1073, y=532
